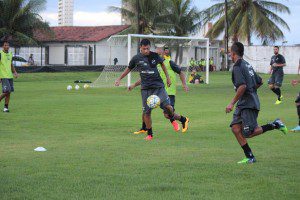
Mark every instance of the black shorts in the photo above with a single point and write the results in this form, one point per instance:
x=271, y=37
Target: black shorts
x=298, y=98
x=248, y=119
x=160, y=92
x=276, y=78
x=7, y=85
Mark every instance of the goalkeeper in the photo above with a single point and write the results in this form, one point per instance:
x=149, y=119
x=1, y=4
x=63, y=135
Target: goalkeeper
x=172, y=69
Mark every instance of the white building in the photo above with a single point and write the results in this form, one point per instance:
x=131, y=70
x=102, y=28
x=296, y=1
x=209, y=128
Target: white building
x=65, y=12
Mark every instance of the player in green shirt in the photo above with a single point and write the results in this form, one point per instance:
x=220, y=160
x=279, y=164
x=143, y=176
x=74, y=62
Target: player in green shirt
x=7, y=73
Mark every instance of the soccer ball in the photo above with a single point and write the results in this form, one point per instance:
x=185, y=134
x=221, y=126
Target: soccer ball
x=153, y=101
x=77, y=87
x=86, y=86
x=69, y=87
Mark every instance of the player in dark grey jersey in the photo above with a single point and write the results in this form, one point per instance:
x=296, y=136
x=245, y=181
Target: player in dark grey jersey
x=297, y=101
x=151, y=83
x=246, y=83
x=275, y=82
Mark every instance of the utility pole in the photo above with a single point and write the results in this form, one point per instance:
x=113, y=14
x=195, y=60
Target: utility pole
x=226, y=36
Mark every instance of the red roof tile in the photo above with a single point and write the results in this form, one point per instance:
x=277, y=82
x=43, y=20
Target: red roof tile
x=79, y=33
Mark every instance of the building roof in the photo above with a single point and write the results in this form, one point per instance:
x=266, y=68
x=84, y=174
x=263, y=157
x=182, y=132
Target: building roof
x=79, y=33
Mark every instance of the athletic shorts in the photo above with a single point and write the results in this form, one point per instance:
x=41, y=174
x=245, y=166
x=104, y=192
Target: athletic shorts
x=160, y=92
x=276, y=78
x=7, y=85
x=298, y=98
x=248, y=119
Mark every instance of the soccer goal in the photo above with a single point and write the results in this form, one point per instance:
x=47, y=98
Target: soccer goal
x=121, y=48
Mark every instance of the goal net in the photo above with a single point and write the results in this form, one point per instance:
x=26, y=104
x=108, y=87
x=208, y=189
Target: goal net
x=121, y=48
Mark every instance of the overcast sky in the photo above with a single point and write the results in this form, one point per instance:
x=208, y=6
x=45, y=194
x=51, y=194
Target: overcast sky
x=95, y=12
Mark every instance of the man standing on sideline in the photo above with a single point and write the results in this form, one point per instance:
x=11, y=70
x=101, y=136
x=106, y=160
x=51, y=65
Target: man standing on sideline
x=275, y=82
x=246, y=83
x=7, y=73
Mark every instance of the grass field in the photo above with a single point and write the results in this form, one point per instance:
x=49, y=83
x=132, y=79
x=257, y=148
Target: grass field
x=92, y=153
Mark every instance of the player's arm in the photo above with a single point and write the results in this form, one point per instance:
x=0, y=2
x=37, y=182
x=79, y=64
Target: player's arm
x=131, y=87
x=13, y=70
x=126, y=71
x=259, y=81
x=178, y=70
x=239, y=93
x=166, y=73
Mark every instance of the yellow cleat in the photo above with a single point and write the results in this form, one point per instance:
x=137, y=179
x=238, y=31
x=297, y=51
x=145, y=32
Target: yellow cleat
x=278, y=102
x=140, y=132
x=185, y=125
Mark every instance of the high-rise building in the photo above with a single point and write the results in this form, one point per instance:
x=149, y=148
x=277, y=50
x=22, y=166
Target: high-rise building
x=65, y=12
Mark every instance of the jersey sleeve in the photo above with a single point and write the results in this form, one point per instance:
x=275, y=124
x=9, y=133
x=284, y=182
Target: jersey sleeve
x=175, y=67
x=238, y=77
x=159, y=59
x=258, y=79
x=281, y=60
x=132, y=63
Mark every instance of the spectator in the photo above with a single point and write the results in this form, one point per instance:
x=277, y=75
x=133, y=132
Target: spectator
x=31, y=60
x=116, y=61
x=212, y=67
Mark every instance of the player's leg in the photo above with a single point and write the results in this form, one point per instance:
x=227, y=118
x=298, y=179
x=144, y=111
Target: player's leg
x=237, y=129
x=278, y=83
x=297, y=128
x=147, y=113
x=7, y=88
x=143, y=128
x=167, y=116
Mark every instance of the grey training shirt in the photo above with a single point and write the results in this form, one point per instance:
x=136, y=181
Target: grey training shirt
x=243, y=74
x=147, y=66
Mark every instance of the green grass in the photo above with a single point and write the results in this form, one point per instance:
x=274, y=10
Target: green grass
x=93, y=155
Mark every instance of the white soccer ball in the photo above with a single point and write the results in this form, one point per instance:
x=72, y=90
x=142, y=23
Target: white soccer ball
x=153, y=101
x=69, y=87
x=77, y=87
x=86, y=86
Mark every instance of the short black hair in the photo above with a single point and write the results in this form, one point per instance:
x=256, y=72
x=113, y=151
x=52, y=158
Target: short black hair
x=166, y=47
x=3, y=42
x=276, y=47
x=145, y=42
x=238, y=48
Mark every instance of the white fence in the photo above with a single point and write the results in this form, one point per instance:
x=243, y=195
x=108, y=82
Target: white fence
x=260, y=56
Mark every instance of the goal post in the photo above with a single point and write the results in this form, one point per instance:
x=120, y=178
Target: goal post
x=185, y=48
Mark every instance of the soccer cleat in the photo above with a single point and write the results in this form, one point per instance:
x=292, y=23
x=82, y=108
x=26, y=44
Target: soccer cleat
x=280, y=126
x=278, y=102
x=175, y=126
x=5, y=110
x=140, y=132
x=281, y=97
x=149, y=137
x=247, y=161
x=185, y=125
x=296, y=129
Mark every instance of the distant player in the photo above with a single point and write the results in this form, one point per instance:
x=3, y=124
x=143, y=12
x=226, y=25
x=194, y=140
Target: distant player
x=275, y=82
x=246, y=83
x=151, y=83
x=297, y=101
x=7, y=73
x=172, y=69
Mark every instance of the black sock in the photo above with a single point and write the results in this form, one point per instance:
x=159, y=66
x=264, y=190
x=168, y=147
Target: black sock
x=6, y=106
x=150, y=131
x=144, y=126
x=182, y=119
x=172, y=120
x=247, y=151
x=278, y=93
x=267, y=127
x=274, y=90
x=298, y=110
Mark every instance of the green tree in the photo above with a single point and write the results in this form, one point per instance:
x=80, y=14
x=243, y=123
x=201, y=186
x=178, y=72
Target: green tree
x=19, y=19
x=145, y=10
x=247, y=18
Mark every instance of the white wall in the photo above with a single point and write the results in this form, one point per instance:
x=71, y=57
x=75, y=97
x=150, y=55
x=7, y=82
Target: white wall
x=259, y=57
x=57, y=54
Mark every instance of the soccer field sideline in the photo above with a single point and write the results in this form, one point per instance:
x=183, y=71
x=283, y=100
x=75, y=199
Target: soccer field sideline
x=93, y=155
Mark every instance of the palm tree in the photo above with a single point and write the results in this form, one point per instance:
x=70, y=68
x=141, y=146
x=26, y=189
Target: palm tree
x=180, y=18
x=247, y=18
x=19, y=19
x=145, y=11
